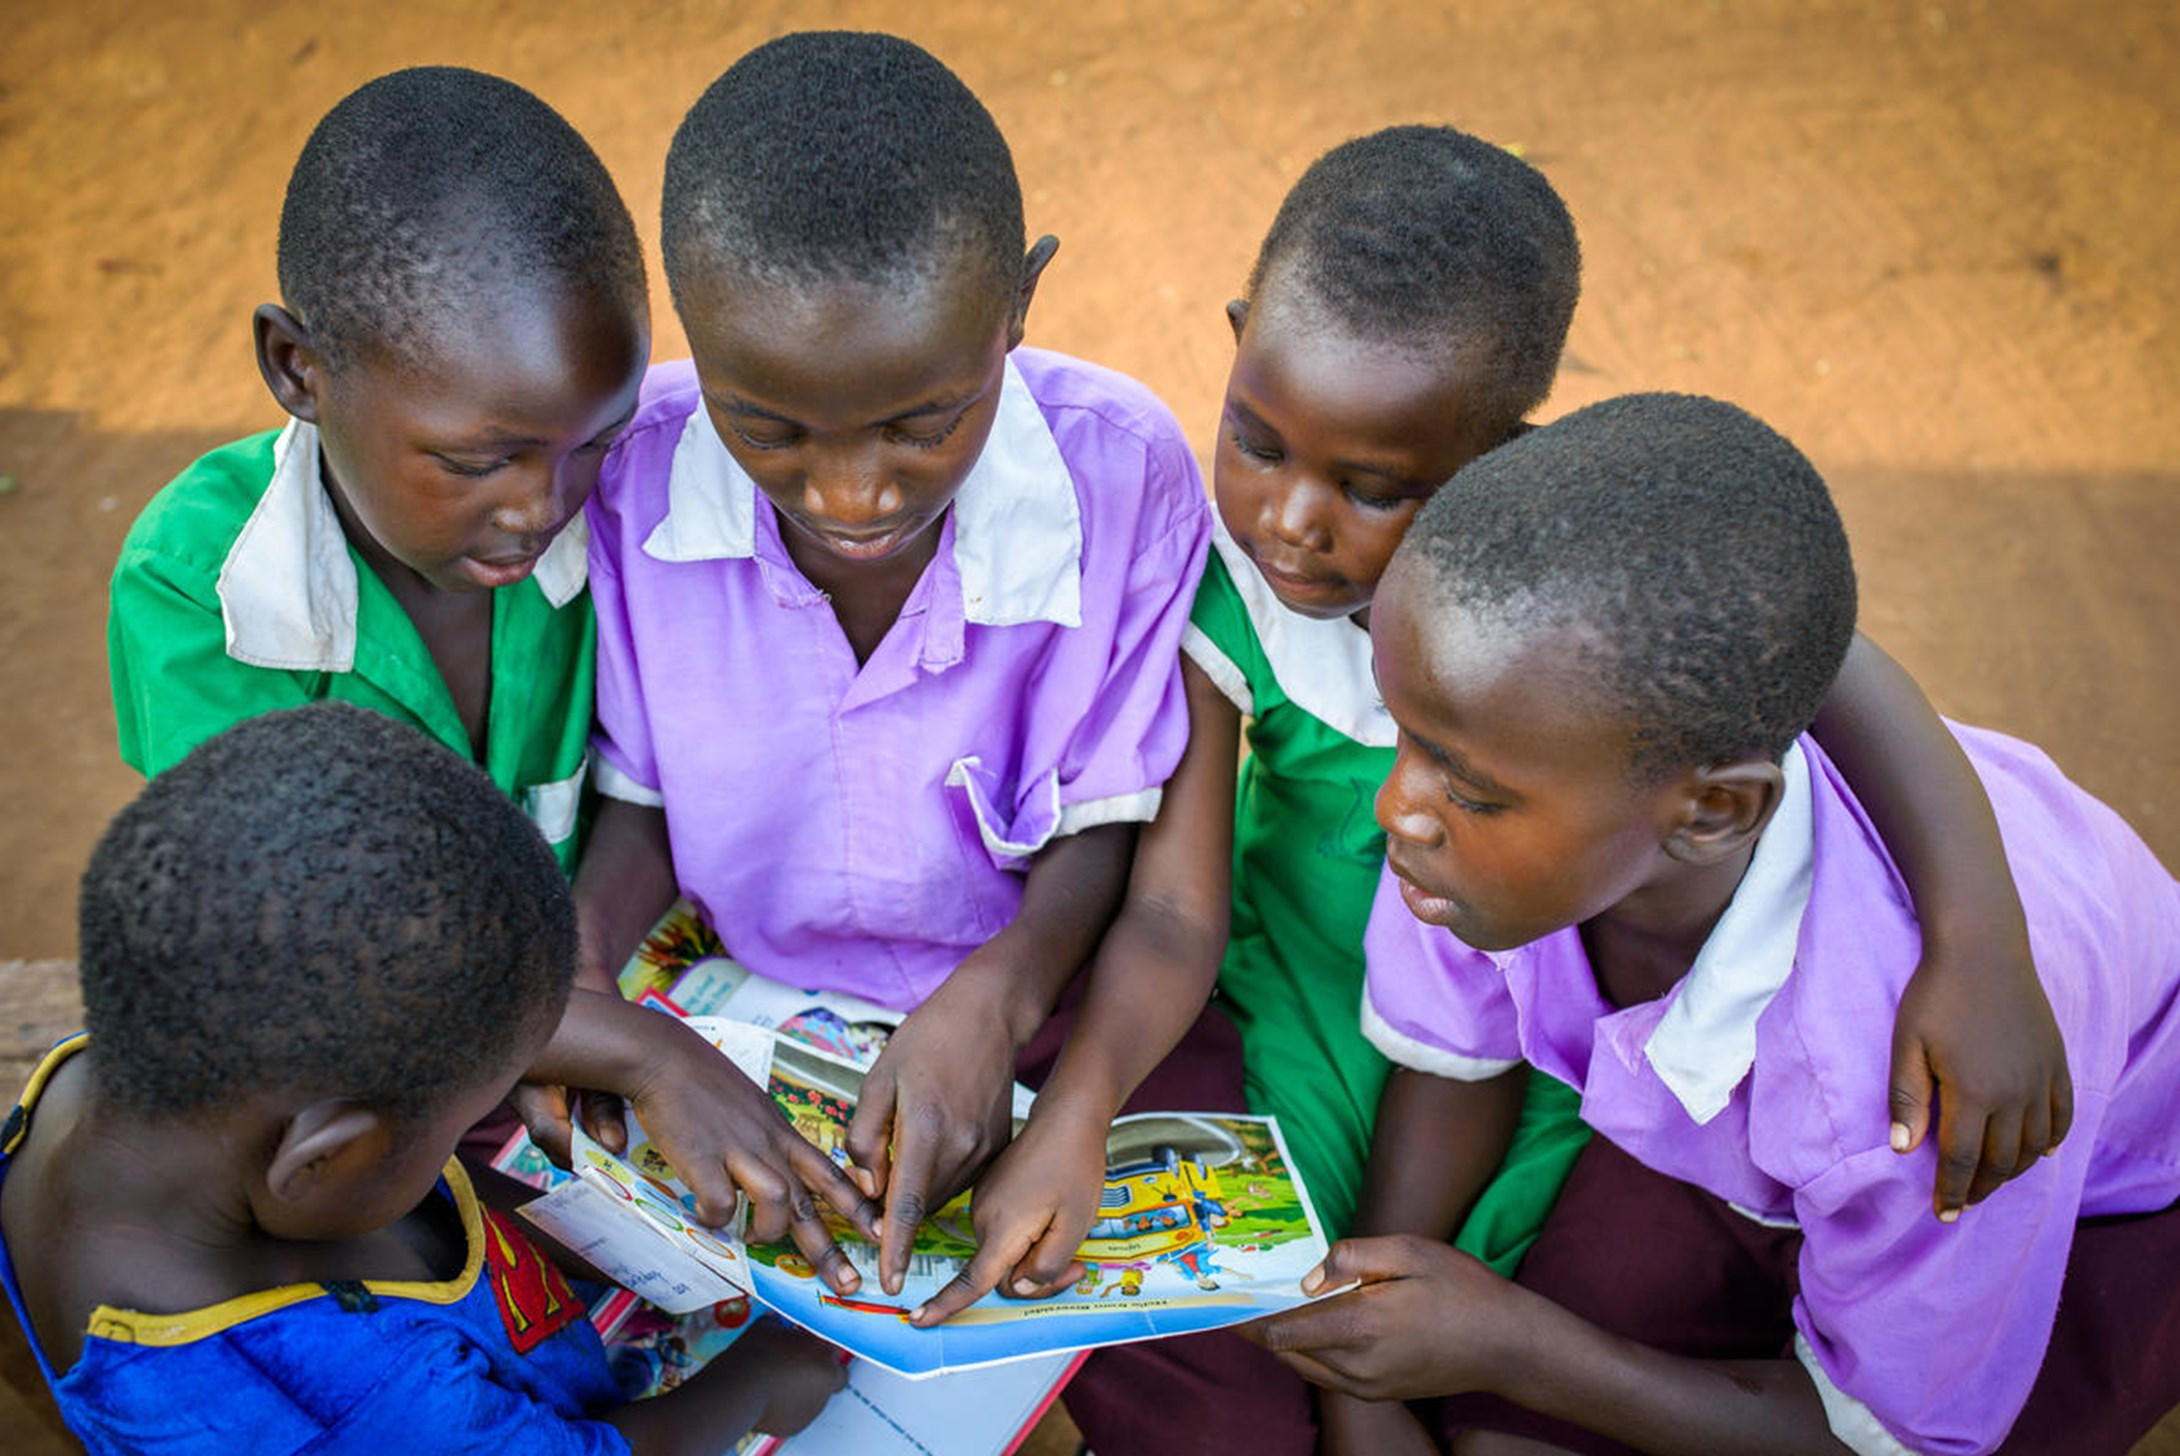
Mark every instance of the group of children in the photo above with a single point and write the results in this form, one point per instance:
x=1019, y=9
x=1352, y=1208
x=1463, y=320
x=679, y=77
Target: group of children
x=917, y=660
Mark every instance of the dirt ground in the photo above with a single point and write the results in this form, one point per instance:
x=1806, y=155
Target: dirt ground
x=1930, y=241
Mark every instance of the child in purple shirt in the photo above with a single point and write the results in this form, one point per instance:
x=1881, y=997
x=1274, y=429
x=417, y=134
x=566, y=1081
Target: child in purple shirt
x=1602, y=644
x=890, y=616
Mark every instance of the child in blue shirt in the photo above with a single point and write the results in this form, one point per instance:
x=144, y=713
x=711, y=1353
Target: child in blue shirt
x=313, y=953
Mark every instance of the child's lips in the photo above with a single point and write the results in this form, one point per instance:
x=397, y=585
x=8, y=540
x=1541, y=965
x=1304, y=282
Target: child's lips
x=1424, y=905
x=504, y=571
x=1295, y=583
x=864, y=547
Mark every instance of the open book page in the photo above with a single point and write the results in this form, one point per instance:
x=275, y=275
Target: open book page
x=1202, y=1224
x=662, y=1254
x=985, y=1412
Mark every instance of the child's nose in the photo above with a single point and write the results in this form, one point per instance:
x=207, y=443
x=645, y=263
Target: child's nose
x=546, y=497
x=1295, y=513
x=849, y=488
x=1398, y=810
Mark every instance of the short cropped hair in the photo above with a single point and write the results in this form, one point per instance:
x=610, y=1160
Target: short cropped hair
x=1694, y=549
x=840, y=156
x=1428, y=238
x=420, y=185
x=321, y=901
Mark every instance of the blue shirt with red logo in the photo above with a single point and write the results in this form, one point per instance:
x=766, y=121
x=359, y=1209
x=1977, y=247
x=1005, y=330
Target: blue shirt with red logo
x=499, y=1359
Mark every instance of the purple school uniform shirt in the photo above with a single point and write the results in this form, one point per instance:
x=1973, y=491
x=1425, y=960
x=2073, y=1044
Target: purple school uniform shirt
x=863, y=829
x=1761, y=1077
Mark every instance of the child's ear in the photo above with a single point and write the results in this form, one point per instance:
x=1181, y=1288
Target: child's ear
x=1033, y=268
x=1724, y=807
x=1237, y=314
x=325, y=1138
x=290, y=362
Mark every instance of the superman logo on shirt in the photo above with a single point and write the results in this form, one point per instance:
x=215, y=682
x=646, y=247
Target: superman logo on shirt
x=533, y=1295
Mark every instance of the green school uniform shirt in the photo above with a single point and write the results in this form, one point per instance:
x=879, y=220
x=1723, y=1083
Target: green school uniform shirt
x=1307, y=852
x=237, y=594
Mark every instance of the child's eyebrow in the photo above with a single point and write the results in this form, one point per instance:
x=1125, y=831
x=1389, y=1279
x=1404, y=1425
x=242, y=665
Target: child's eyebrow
x=735, y=404
x=1459, y=767
x=1250, y=419
x=946, y=405
x=1382, y=472
x=488, y=439
x=1247, y=416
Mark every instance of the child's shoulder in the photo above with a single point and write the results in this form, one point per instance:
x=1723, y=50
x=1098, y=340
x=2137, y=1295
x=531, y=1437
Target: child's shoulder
x=196, y=515
x=668, y=396
x=640, y=463
x=1077, y=395
x=1135, y=478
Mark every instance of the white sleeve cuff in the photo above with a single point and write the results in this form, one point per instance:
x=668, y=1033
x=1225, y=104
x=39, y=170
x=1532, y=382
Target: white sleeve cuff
x=1852, y=1422
x=1405, y=1050
x=615, y=784
x=1216, y=665
x=1137, y=808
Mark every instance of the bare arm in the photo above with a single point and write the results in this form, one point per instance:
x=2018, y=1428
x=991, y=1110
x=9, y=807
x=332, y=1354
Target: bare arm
x=1149, y=982
x=623, y=885
x=1974, y=1020
x=719, y=1129
x=774, y=1379
x=1154, y=972
x=1436, y=1144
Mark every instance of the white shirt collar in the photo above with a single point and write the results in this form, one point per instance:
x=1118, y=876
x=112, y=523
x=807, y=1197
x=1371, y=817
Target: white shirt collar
x=1323, y=666
x=1017, y=522
x=288, y=588
x=1705, y=1041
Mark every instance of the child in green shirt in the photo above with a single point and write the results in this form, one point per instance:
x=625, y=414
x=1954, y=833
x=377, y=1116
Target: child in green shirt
x=464, y=331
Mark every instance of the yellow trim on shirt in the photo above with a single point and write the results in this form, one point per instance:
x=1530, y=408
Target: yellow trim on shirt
x=35, y=1087
x=134, y=1327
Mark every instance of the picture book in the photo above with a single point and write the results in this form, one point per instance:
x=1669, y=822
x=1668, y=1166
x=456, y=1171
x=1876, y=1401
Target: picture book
x=682, y=969
x=1202, y=1224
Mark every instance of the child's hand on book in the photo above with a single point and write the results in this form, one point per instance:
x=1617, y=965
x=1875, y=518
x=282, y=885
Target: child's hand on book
x=1031, y=1212
x=1426, y=1320
x=934, y=1109
x=722, y=1133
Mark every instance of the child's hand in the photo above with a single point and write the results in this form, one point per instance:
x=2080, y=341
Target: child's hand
x=1976, y=1023
x=933, y=1111
x=1428, y=1320
x=544, y=1110
x=722, y=1133
x=1371, y=1428
x=1031, y=1211
x=548, y=1111
x=774, y=1379
x=798, y=1372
